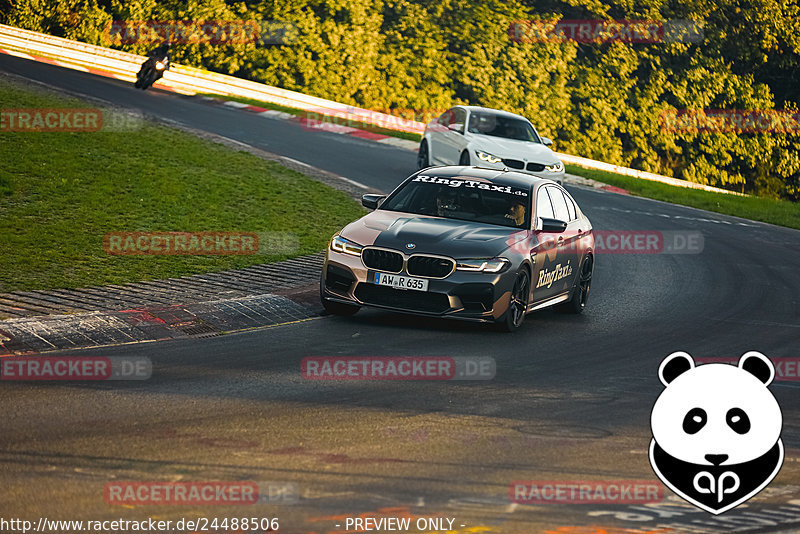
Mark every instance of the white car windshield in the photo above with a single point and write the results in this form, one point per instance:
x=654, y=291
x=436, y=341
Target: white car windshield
x=481, y=122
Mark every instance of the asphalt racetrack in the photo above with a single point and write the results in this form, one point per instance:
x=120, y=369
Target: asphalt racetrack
x=570, y=401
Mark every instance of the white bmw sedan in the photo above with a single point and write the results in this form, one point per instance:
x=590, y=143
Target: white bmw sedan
x=469, y=135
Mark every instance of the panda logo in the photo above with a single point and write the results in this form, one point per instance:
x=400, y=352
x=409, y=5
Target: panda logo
x=716, y=430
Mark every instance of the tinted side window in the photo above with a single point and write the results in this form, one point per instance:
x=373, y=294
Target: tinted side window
x=570, y=206
x=559, y=204
x=458, y=118
x=543, y=206
x=444, y=118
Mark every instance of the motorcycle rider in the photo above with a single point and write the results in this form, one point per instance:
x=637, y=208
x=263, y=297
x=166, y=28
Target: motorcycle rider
x=161, y=51
x=156, y=55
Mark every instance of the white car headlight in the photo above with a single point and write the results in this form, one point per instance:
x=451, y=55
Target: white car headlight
x=345, y=246
x=483, y=265
x=489, y=158
x=556, y=167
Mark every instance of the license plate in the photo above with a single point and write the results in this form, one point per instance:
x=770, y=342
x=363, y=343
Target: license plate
x=400, y=282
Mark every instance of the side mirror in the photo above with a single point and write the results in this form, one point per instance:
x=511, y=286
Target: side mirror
x=372, y=201
x=546, y=224
x=457, y=127
x=546, y=141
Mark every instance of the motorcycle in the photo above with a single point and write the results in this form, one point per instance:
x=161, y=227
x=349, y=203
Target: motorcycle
x=151, y=71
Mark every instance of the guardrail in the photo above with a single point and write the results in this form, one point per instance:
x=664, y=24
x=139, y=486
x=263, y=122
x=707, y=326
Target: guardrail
x=190, y=80
x=599, y=165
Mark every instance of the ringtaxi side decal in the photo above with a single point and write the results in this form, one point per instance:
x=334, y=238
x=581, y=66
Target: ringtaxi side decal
x=716, y=430
x=548, y=276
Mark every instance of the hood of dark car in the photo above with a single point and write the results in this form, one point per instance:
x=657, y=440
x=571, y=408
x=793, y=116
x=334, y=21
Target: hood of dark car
x=431, y=235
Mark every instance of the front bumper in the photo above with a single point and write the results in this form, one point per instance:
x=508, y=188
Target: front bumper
x=483, y=297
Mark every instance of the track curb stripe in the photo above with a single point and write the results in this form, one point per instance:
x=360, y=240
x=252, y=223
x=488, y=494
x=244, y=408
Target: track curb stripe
x=32, y=335
x=264, y=112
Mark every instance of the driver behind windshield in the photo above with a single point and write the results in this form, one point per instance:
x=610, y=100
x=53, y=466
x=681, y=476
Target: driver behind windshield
x=482, y=124
x=516, y=212
x=499, y=126
x=446, y=202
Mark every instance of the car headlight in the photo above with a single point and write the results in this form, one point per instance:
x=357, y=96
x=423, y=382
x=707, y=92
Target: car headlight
x=485, y=156
x=345, y=246
x=556, y=167
x=483, y=265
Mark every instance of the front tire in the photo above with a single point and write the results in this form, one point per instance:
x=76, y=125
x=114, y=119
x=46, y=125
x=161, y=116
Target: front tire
x=148, y=79
x=518, y=305
x=464, y=159
x=580, y=293
x=139, y=78
x=423, y=156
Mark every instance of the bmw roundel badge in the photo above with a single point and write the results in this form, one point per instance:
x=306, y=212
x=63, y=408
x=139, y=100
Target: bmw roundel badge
x=410, y=246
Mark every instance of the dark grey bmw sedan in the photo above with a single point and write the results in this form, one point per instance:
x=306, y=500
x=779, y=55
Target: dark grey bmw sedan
x=463, y=242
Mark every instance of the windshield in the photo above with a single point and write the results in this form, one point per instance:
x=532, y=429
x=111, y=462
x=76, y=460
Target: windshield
x=481, y=122
x=463, y=199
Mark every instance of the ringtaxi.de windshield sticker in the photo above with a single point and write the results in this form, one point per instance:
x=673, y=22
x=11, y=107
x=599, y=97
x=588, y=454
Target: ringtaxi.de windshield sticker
x=470, y=184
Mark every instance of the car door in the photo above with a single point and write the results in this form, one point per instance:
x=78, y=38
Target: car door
x=578, y=228
x=437, y=138
x=554, y=267
x=453, y=140
x=567, y=241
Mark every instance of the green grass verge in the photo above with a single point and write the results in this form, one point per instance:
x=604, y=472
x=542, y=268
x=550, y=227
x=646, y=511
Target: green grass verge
x=299, y=112
x=60, y=193
x=780, y=212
